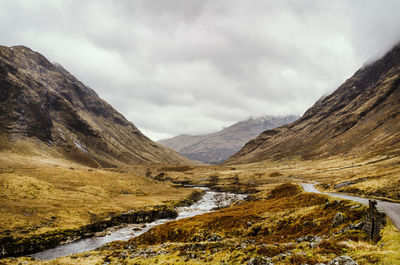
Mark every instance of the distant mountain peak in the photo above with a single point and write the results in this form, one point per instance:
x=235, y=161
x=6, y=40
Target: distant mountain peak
x=216, y=147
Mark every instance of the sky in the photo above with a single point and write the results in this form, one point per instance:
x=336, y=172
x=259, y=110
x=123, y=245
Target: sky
x=195, y=66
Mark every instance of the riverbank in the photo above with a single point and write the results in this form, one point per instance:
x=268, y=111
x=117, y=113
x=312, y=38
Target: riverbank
x=23, y=246
x=206, y=202
x=44, y=205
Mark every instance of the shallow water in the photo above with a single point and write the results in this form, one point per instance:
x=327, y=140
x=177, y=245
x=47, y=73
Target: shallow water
x=207, y=204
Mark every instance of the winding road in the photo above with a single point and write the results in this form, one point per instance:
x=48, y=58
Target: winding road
x=390, y=208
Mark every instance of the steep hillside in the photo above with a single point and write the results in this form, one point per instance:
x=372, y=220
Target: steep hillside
x=217, y=147
x=361, y=118
x=41, y=100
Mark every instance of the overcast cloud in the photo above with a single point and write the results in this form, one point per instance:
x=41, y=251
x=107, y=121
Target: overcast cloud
x=194, y=66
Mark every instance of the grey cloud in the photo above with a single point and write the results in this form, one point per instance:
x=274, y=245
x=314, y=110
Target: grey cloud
x=178, y=66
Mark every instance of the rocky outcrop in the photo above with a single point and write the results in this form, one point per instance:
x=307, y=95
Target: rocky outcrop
x=338, y=220
x=360, y=118
x=342, y=260
x=40, y=100
x=216, y=147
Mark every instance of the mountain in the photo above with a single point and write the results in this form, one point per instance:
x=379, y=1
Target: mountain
x=216, y=147
x=360, y=118
x=43, y=103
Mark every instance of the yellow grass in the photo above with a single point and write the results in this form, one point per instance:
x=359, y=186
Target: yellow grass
x=385, y=252
x=43, y=196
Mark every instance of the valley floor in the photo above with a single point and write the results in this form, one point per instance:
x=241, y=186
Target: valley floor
x=376, y=177
x=280, y=224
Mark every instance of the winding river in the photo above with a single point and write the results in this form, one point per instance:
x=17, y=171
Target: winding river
x=208, y=203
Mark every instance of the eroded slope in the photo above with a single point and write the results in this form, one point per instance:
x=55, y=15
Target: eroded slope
x=42, y=100
x=361, y=118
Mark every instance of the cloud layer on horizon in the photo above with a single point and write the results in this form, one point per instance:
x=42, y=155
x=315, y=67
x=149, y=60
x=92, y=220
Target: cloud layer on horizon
x=177, y=66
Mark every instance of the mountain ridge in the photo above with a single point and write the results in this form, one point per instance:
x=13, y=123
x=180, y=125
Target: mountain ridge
x=215, y=147
x=361, y=117
x=43, y=100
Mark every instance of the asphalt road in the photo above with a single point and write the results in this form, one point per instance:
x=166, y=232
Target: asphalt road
x=390, y=208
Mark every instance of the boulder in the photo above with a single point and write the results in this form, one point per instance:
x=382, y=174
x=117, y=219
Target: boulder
x=338, y=220
x=260, y=261
x=342, y=260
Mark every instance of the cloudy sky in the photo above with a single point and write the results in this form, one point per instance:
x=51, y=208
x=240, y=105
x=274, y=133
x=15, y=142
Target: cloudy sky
x=195, y=66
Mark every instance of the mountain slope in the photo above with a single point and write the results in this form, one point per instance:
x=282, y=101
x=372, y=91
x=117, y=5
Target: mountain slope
x=361, y=118
x=41, y=100
x=217, y=147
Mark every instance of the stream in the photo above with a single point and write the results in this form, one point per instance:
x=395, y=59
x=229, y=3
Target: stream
x=209, y=201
